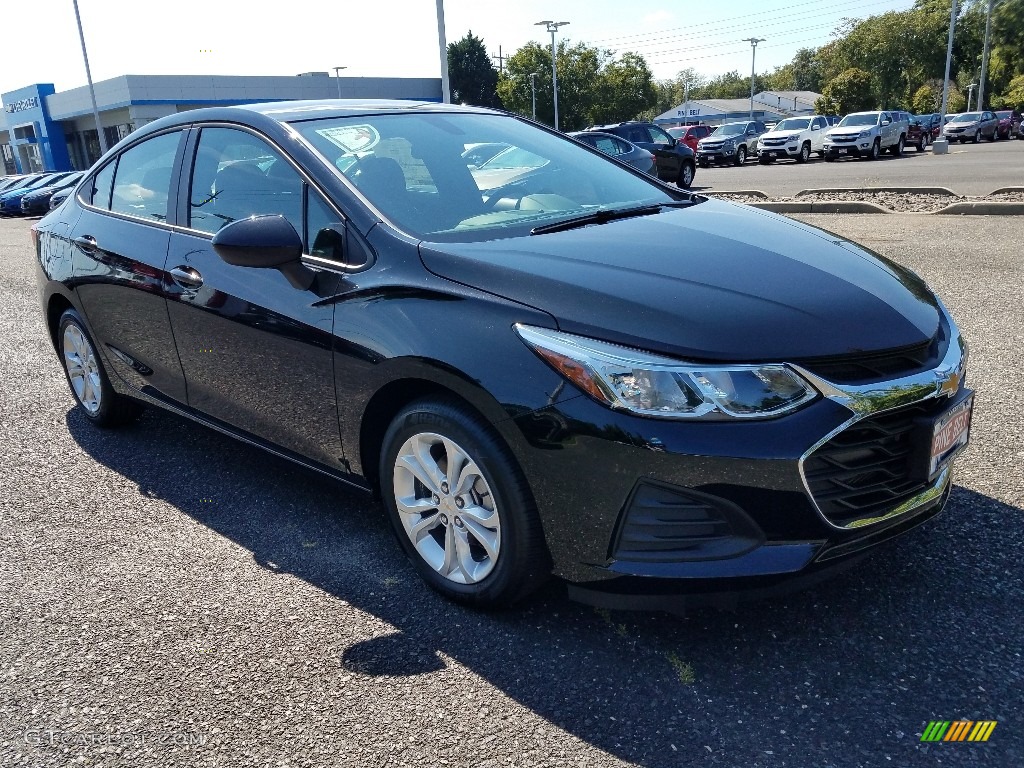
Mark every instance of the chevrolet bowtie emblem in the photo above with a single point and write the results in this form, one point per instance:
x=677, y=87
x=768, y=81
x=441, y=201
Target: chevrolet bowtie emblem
x=949, y=383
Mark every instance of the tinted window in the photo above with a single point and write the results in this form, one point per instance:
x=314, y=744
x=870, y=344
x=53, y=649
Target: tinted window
x=142, y=181
x=99, y=194
x=324, y=230
x=658, y=136
x=237, y=175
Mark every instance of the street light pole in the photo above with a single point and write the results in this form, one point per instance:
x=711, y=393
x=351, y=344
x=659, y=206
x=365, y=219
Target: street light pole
x=533, y=89
x=970, y=94
x=753, y=57
x=442, y=43
x=337, y=76
x=552, y=27
x=88, y=77
x=984, y=57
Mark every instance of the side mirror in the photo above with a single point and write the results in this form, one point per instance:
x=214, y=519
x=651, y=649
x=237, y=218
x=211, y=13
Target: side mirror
x=886, y=122
x=265, y=242
x=815, y=127
x=258, y=241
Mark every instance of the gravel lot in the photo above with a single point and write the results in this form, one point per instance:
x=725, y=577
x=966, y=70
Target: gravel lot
x=897, y=202
x=173, y=598
x=968, y=169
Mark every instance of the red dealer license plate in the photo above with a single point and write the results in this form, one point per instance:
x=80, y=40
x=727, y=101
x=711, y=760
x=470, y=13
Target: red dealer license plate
x=950, y=435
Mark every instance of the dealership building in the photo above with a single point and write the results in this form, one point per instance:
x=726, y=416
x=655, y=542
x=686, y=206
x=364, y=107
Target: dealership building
x=42, y=130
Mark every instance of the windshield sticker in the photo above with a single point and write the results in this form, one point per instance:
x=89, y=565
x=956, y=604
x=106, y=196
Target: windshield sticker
x=352, y=138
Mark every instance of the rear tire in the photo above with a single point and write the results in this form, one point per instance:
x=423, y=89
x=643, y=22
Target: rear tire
x=460, y=505
x=897, y=149
x=87, y=377
x=687, y=171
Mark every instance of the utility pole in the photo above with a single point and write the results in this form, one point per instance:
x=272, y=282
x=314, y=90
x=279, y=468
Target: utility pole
x=88, y=77
x=984, y=57
x=501, y=61
x=442, y=44
x=970, y=93
x=941, y=145
x=552, y=27
x=753, y=57
x=533, y=89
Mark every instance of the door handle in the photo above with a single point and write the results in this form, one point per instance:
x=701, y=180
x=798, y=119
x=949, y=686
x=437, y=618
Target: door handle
x=186, y=277
x=87, y=243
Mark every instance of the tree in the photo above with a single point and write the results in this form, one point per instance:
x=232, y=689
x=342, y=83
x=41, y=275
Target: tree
x=850, y=91
x=626, y=89
x=472, y=78
x=1013, y=96
x=594, y=87
x=925, y=100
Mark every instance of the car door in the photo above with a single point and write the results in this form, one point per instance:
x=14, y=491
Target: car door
x=818, y=127
x=255, y=344
x=121, y=241
x=991, y=124
x=665, y=158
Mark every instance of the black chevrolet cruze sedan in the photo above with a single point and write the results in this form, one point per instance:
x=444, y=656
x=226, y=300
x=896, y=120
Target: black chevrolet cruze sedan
x=559, y=366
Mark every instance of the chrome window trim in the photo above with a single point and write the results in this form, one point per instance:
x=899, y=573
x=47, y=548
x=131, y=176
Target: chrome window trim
x=873, y=399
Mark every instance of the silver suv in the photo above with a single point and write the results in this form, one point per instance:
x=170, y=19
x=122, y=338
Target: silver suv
x=730, y=143
x=868, y=134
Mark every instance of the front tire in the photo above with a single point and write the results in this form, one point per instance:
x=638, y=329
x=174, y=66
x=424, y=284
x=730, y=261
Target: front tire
x=805, y=153
x=741, y=155
x=977, y=137
x=876, y=150
x=87, y=377
x=460, y=505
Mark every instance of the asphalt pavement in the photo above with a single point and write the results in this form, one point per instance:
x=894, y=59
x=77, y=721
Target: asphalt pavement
x=173, y=598
x=968, y=169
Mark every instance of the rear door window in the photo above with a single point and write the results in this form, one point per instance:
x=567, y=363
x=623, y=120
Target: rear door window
x=143, y=178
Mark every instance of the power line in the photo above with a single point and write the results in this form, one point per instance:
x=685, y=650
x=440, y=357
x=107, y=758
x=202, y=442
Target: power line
x=856, y=4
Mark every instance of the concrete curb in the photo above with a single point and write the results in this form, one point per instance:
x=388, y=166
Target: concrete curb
x=981, y=209
x=746, y=192
x=901, y=190
x=827, y=206
x=1005, y=190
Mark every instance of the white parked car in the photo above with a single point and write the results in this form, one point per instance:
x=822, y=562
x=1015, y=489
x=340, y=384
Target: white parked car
x=794, y=137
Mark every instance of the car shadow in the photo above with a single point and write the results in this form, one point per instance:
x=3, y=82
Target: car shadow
x=651, y=689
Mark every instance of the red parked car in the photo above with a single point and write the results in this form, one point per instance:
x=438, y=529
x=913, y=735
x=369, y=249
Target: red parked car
x=1009, y=123
x=690, y=134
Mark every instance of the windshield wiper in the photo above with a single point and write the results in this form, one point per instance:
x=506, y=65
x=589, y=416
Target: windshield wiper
x=604, y=216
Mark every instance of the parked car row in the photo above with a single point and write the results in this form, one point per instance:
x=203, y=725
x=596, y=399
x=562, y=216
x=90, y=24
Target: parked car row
x=31, y=193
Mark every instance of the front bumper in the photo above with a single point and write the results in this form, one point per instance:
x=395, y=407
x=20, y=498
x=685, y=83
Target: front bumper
x=779, y=151
x=644, y=507
x=717, y=155
x=855, y=148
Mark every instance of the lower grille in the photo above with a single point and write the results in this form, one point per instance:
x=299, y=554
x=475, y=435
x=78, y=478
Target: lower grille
x=664, y=523
x=872, y=466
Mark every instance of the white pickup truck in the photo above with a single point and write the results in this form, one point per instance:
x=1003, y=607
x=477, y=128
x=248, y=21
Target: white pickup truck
x=794, y=137
x=867, y=134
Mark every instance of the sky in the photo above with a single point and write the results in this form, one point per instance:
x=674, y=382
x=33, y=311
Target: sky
x=39, y=40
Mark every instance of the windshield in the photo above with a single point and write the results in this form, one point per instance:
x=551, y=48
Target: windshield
x=794, y=124
x=967, y=117
x=732, y=129
x=411, y=168
x=871, y=118
x=1003, y=114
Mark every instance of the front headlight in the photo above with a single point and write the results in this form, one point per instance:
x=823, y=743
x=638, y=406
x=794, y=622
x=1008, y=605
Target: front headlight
x=864, y=135
x=650, y=385
x=729, y=144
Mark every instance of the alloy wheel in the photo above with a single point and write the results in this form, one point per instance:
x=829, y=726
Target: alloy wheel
x=83, y=368
x=447, y=508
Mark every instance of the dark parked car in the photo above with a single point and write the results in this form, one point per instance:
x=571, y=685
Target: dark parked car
x=675, y=160
x=1009, y=124
x=17, y=182
x=582, y=371
x=731, y=143
x=690, y=135
x=38, y=200
x=59, y=197
x=618, y=148
x=10, y=201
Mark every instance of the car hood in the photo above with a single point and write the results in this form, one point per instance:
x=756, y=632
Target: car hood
x=966, y=124
x=782, y=135
x=852, y=130
x=715, y=281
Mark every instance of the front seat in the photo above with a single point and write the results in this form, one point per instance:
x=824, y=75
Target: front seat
x=381, y=179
